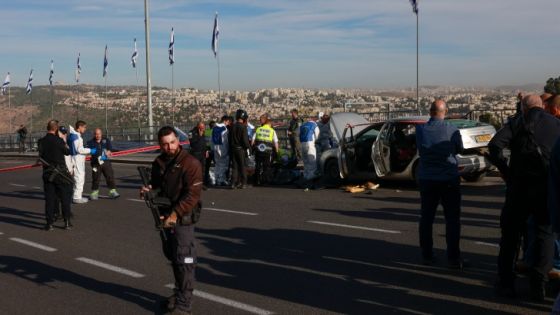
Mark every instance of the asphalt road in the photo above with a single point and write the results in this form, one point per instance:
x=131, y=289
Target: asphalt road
x=261, y=251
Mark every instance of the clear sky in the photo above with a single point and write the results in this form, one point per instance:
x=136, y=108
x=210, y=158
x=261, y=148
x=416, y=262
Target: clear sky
x=286, y=43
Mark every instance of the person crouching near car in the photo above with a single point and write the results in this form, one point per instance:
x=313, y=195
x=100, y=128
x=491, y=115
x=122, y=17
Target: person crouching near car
x=101, y=164
x=438, y=144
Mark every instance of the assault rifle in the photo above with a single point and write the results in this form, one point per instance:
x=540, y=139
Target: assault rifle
x=57, y=171
x=157, y=204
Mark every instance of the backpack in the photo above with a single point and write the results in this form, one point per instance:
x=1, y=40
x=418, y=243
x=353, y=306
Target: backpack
x=531, y=162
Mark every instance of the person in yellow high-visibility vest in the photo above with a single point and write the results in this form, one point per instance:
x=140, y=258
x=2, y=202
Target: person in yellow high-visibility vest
x=265, y=145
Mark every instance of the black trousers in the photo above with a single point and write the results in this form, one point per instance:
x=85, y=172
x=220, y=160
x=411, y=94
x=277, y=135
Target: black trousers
x=207, y=168
x=56, y=192
x=107, y=170
x=296, y=148
x=201, y=157
x=180, y=250
x=523, y=199
x=448, y=193
x=239, y=172
x=263, y=160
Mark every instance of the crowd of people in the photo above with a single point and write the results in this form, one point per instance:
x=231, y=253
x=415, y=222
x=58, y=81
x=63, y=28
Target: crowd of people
x=64, y=155
x=531, y=210
x=233, y=143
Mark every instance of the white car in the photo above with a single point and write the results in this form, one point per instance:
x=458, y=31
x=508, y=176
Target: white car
x=388, y=149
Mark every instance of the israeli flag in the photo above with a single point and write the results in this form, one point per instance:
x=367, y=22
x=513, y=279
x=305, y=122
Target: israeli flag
x=6, y=84
x=51, y=75
x=105, y=63
x=134, y=55
x=171, y=48
x=78, y=69
x=215, y=35
x=414, y=6
x=29, y=86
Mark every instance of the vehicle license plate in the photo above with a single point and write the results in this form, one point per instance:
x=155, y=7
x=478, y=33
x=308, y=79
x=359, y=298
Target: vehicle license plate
x=483, y=138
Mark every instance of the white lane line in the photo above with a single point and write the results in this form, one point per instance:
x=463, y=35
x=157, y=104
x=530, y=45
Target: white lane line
x=33, y=244
x=356, y=227
x=135, y=200
x=117, y=269
x=488, y=244
x=1, y=233
x=37, y=187
x=228, y=302
x=230, y=211
x=17, y=185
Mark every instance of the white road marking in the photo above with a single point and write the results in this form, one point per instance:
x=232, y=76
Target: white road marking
x=37, y=187
x=488, y=244
x=356, y=227
x=1, y=233
x=110, y=267
x=135, y=200
x=228, y=302
x=17, y=185
x=33, y=244
x=230, y=211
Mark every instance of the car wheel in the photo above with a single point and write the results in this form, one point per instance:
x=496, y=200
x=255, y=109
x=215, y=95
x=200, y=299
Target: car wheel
x=332, y=173
x=474, y=177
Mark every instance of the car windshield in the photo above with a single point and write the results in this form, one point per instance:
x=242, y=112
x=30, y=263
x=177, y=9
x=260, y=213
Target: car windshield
x=368, y=135
x=465, y=123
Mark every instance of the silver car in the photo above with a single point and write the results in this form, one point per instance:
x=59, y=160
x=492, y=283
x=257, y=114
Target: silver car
x=388, y=149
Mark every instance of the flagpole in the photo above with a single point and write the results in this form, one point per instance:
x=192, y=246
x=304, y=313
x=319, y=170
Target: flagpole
x=78, y=101
x=52, y=102
x=148, y=67
x=106, y=116
x=417, y=68
x=10, y=107
x=219, y=81
x=31, y=125
x=172, y=95
x=138, y=102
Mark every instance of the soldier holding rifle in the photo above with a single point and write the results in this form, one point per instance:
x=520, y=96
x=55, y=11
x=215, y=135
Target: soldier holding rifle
x=177, y=175
x=57, y=181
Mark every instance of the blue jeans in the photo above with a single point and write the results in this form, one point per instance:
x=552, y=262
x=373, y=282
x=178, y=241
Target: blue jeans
x=448, y=193
x=529, y=243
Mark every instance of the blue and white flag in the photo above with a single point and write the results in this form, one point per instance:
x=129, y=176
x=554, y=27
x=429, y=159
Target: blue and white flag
x=51, y=74
x=134, y=55
x=414, y=6
x=172, y=47
x=6, y=84
x=78, y=69
x=29, y=86
x=105, y=63
x=215, y=35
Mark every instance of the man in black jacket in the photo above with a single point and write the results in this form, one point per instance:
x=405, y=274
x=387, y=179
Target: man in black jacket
x=198, y=144
x=530, y=137
x=239, y=144
x=52, y=149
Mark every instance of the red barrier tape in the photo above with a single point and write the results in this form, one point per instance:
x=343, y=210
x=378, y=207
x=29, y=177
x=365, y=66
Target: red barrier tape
x=115, y=154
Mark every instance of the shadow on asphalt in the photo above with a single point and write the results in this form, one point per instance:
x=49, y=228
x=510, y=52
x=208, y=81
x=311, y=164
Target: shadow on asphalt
x=22, y=218
x=48, y=276
x=413, y=215
x=345, y=274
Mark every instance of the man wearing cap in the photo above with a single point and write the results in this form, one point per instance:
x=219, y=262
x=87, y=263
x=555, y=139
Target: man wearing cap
x=101, y=164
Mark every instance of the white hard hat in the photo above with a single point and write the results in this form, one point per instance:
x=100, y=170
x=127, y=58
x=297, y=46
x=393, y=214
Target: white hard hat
x=321, y=115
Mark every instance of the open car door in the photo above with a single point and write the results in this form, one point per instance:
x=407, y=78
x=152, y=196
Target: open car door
x=381, y=152
x=347, y=156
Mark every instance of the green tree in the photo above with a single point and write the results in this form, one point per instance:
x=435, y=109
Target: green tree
x=552, y=86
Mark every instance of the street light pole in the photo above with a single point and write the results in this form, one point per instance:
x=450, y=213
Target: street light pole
x=148, y=68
